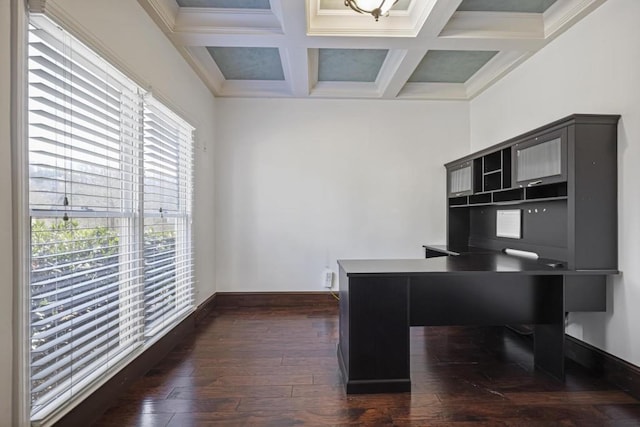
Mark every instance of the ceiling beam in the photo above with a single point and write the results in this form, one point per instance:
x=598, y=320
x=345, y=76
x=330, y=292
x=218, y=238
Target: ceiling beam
x=495, y=25
x=295, y=65
x=294, y=52
x=226, y=21
x=398, y=67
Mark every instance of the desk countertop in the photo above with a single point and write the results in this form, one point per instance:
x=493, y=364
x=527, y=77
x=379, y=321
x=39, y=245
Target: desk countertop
x=455, y=250
x=465, y=263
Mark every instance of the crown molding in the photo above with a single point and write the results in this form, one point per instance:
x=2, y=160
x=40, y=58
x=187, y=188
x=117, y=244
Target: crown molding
x=163, y=13
x=493, y=70
x=562, y=15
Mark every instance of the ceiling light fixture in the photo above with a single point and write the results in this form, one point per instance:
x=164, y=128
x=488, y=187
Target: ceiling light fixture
x=374, y=7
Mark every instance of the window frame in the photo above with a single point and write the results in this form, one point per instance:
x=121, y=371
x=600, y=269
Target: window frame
x=23, y=243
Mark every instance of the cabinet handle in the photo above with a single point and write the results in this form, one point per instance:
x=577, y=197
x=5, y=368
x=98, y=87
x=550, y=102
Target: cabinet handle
x=534, y=183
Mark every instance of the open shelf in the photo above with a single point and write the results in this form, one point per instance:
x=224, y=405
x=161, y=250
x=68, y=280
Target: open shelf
x=515, y=194
x=480, y=198
x=555, y=190
x=506, y=168
x=459, y=201
x=492, y=162
x=477, y=175
x=492, y=181
x=518, y=202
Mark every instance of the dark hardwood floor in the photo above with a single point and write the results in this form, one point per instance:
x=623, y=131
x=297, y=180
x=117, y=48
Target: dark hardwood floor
x=278, y=367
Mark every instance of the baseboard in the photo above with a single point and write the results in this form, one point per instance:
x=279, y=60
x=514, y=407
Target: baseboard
x=616, y=371
x=599, y=363
x=90, y=409
x=204, y=309
x=274, y=299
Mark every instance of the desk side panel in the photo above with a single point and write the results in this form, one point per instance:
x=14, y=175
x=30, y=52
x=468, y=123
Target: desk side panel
x=595, y=192
x=343, y=342
x=378, y=332
x=585, y=293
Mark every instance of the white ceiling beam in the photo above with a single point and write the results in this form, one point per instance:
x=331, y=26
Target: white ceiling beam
x=493, y=70
x=204, y=38
x=353, y=25
x=401, y=64
x=290, y=16
x=205, y=65
x=295, y=65
x=226, y=21
x=438, y=15
x=495, y=25
x=563, y=14
x=314, y=61
x=294, y=54
x=280, y=40
x=255, y=88
x=397, y=69
x=485, y=43
x=345, y=90
x=366, y=43
x=433, y=91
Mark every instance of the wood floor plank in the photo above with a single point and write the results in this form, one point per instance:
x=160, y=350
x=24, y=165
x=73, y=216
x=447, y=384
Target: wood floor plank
x=207, y=361
x=135, y=420
x=231, y=391
x=600, y=397
x=172, y=406
x=342, y=417
x=262, y=366
x=261, y=380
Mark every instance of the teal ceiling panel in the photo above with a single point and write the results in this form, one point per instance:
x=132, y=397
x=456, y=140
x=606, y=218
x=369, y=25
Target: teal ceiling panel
x=525, y=6
x=350, y=65
x=450, y=66
x=226, y=4
x=248, y=63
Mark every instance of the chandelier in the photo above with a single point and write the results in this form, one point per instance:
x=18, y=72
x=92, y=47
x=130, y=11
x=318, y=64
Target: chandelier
x=374, y=7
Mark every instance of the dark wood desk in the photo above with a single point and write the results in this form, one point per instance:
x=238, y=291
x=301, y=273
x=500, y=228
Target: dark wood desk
x=560, y=183
x=381, y=299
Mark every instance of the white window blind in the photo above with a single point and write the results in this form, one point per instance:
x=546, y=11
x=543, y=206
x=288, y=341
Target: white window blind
x=110, y=195
x=168, y=189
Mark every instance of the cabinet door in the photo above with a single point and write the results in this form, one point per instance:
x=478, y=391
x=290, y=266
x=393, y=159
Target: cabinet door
x=460, y=178
x=541, y=160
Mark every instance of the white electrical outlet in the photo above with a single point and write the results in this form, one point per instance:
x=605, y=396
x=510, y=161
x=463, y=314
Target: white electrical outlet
x=327, y=278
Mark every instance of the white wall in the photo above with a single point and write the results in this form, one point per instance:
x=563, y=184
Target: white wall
x=6, y=249
x=127, y=33
x=592, y=68
x=303, y=182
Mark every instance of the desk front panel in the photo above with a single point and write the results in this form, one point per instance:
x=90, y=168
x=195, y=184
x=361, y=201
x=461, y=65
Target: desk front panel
x=485, y=299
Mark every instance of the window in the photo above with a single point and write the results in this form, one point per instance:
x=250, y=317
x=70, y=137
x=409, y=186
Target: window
x=168, y=159
x=110, y=195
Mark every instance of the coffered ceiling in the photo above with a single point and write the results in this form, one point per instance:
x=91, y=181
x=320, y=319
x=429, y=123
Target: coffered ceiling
x=424, y=49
